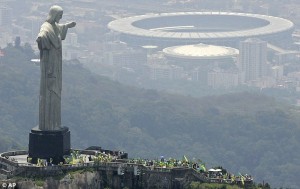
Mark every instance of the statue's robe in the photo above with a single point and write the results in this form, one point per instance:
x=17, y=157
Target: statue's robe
x=50, y=46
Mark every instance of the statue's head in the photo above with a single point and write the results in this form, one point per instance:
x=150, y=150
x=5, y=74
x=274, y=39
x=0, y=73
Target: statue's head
x=55, y=14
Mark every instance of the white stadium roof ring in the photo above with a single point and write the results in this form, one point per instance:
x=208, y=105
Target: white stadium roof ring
x=201, y=26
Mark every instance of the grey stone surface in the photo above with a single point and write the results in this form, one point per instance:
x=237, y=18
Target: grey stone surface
x=49, y=42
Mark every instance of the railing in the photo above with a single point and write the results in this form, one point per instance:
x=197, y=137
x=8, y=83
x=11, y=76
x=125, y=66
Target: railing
x=8, y=162
x=67, y=167
x=14, y=153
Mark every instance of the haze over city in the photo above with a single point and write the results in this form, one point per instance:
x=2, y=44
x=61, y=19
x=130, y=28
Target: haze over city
x=135, y=59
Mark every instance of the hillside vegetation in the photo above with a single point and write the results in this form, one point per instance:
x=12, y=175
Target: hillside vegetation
x=244, y=132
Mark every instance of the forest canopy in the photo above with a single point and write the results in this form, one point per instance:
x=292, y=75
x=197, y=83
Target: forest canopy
x=244, y=132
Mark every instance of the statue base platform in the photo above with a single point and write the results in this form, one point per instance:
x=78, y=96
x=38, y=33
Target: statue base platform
x=49, y=145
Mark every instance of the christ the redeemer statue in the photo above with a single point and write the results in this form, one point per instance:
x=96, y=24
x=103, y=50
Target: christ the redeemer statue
x=49, y=42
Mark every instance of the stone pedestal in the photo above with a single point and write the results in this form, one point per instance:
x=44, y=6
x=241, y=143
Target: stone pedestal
x=49, y=144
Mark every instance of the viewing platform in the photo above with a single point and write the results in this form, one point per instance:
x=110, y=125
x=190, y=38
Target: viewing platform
x=115, y=167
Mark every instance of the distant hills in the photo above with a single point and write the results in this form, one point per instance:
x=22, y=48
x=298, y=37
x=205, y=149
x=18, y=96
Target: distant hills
x=243, y=132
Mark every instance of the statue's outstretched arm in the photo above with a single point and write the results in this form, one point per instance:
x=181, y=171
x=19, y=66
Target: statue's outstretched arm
x=71, y=24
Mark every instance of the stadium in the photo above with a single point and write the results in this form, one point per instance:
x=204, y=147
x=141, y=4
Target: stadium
x=220, y=28
x=200, y=52
x=201, y=56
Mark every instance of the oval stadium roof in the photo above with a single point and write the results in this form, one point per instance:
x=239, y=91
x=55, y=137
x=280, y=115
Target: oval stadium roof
x=172, y=25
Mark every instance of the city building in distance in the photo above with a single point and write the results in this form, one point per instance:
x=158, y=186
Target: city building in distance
x=253, y=58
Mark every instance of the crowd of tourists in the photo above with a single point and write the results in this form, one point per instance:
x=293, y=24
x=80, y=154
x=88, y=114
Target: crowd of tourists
x=216, y=174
